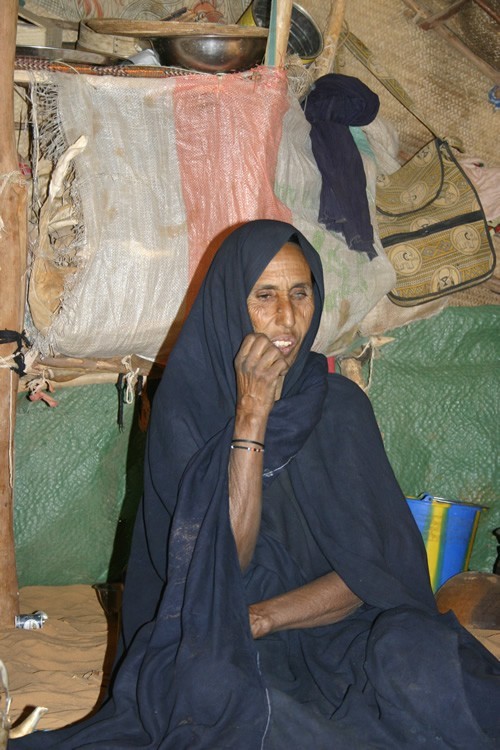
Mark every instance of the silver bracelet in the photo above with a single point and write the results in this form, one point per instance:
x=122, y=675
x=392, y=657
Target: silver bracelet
x=244, y=440
x=246, y=448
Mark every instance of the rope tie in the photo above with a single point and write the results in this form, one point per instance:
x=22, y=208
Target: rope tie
x=128, y=385
x=130, y=378
x=17, y=357
x=40, y=390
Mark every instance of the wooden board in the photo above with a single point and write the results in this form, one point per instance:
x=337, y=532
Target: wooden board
x=13, y=273
x=67, y=55
x=122, y=46
x=130, y=27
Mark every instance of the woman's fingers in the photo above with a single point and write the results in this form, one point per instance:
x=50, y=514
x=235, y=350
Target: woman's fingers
x=260, y=368
x=258, y=623
x=259, y=354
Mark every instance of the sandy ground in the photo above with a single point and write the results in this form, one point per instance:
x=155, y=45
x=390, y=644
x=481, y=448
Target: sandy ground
x=60, y=666
x=64, y=665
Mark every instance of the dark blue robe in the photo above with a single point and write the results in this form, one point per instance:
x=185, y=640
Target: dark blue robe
x=394, y=674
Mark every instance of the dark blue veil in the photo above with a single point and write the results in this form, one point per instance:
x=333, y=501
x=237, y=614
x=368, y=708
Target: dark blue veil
x=190, y=676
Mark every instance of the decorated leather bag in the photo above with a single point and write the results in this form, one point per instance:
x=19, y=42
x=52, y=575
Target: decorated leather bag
x=430, y=220
x=432, y=227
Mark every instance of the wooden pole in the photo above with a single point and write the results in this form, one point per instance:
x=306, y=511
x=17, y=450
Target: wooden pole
x=488, y=9
x=12, y=273
x=283, y=22
x=279, y=31
x=484, y=67
x=325, y=61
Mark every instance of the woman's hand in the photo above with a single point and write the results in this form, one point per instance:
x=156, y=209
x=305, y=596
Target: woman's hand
x=259, y=624
x=260, y=369
x=321, y=602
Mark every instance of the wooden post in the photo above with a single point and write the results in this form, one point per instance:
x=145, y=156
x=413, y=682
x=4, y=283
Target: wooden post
x=484, y=67
x=323, y=65
x=279, y=31
x=12, y=274
x=283, y=22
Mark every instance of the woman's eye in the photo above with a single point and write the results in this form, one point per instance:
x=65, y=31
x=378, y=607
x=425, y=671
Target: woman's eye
x=264, y=296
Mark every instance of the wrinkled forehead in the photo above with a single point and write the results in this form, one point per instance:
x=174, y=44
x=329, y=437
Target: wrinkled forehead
x=257, y=256
x=289, y=264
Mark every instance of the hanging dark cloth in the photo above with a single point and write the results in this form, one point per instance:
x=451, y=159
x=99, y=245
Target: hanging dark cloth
x=20, y=339
x=393, y=674
x=335, y=102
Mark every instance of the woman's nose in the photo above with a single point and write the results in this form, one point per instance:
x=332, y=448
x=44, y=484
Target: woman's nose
x=285, y=314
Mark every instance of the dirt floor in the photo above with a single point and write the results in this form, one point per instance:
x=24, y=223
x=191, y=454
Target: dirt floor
x=65, y=665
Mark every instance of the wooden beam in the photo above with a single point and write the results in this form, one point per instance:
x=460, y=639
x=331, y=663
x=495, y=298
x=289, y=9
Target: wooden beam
x=61, y=368
x=280, y=20
x=12, y=273
x=325, y=61
x=283, y=23
x=485, y=68
x=488, y=9
x=433, y=20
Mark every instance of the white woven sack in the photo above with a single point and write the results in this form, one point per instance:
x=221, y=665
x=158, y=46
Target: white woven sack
x=140, y=231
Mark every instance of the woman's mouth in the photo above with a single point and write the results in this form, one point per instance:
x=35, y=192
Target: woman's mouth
x=285, y=344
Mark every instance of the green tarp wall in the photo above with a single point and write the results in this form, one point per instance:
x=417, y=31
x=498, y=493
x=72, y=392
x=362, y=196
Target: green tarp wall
x=435, y=391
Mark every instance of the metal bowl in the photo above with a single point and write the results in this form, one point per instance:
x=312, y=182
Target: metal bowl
x=305, y=39
x=210, y=53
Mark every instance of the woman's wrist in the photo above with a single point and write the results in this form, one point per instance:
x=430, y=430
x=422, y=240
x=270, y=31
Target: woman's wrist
x=250, y=426
x=253, y=409
x=321, y=602
x=260, y=621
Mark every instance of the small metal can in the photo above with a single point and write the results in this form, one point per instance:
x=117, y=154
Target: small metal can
x=35, y=621
x=147, y=57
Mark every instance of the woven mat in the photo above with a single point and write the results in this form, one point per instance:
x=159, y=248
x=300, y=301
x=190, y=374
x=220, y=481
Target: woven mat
x=447, y=88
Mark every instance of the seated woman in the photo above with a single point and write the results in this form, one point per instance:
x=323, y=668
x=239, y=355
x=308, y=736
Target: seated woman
x=277, y=593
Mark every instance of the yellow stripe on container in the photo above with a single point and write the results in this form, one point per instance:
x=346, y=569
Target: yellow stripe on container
x=471, y=542
x=448, y=528
x=433, y=539
x=305, y=38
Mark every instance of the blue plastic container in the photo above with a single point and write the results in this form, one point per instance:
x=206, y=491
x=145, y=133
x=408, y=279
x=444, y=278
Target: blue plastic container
x=448, y=528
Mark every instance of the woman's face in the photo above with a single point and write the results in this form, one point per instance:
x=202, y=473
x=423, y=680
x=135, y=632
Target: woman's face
x=281, y=303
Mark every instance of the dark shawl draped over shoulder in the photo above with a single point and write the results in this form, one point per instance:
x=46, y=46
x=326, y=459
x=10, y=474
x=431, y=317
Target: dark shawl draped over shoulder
x=394, y=674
